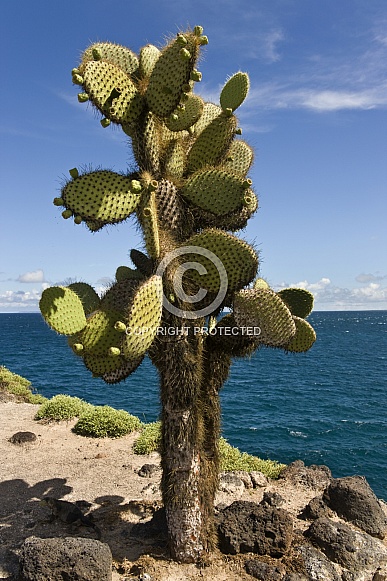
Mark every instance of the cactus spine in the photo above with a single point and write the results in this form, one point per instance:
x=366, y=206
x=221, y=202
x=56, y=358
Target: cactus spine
x=189, y=193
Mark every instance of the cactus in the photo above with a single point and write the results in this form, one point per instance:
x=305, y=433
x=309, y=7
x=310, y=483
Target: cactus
x=189, y=194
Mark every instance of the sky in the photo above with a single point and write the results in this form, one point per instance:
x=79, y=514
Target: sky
x=315, y=115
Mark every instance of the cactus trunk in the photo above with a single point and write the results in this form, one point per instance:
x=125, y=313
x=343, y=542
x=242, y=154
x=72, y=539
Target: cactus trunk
x=179, y=361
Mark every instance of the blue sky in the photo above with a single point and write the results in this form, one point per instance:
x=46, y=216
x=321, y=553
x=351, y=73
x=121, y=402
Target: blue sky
x=316, y=116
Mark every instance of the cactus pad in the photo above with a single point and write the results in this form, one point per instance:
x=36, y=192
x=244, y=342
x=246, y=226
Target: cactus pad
x=263, y=308
x=298, y=300
x=113, y=93
x=170, y=73
x=232, y=221
x=239, y=158
x=122, y=372
x=89, y=298
x=149, y=54
x=143, y=318
x=100, y=334
x=170, y=205
x=210, y=112
x=118, y=55
x=260, y=283
x=62, y=309
x=228, y=337
x=102, y=196
x=234, y=91
x=102, y=365
x=212, y=143
x=147, y=215
x=187, y=115
x=145, y=142
x=141, y=261
x=175, y=159
x=303, y=339
x=119, y=295
x=238, y=258
x=216, y=190
x=126, y=273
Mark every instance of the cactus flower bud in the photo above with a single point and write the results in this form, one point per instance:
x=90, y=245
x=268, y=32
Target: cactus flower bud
x=74, y=172
x=181, y=39
x=96, y=54
x=135, y=187
x=105, y=122
x=77, y=219
x=77, y=79
x=247, y=184
x=196, y=76
x=77, y=348
x=198, y=30
x=114, y=351
x=203, y=40
x=58, y=201
x=83, y=97
x=120, y=326
x=67, y=214
x=185, y=54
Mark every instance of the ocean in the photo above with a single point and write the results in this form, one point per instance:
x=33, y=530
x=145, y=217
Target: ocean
x=327, y=406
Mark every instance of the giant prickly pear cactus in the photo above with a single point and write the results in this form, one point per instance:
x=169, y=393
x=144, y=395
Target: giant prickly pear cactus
x=189, y=194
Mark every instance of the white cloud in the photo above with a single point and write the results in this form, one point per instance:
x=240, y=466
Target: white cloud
x=354, y=80
x=281, y=96
x=330, y=297
x=373, y=291
x=270, y=41
x=33, y=276
x=20, y=301
x=336, y=100
x=363, y=277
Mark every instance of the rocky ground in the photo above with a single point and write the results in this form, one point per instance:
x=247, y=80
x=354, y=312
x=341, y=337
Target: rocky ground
x=268, y=530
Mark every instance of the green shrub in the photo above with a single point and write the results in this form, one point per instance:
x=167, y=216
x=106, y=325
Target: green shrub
x=7, y=377
x=106, y=422
x=232, y=459
x=62, y=407
x=19, y=386
x=149, y=440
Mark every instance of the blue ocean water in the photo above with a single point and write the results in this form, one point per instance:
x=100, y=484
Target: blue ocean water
x=327, y=406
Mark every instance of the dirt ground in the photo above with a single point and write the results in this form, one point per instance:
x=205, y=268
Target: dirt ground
x=103, y=473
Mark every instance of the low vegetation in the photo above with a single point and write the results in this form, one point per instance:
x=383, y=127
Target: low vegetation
x=18, y=386
x=233, y=459
x=149, y=440
x=62, y=407
x=107, y=422
x=230, y=458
